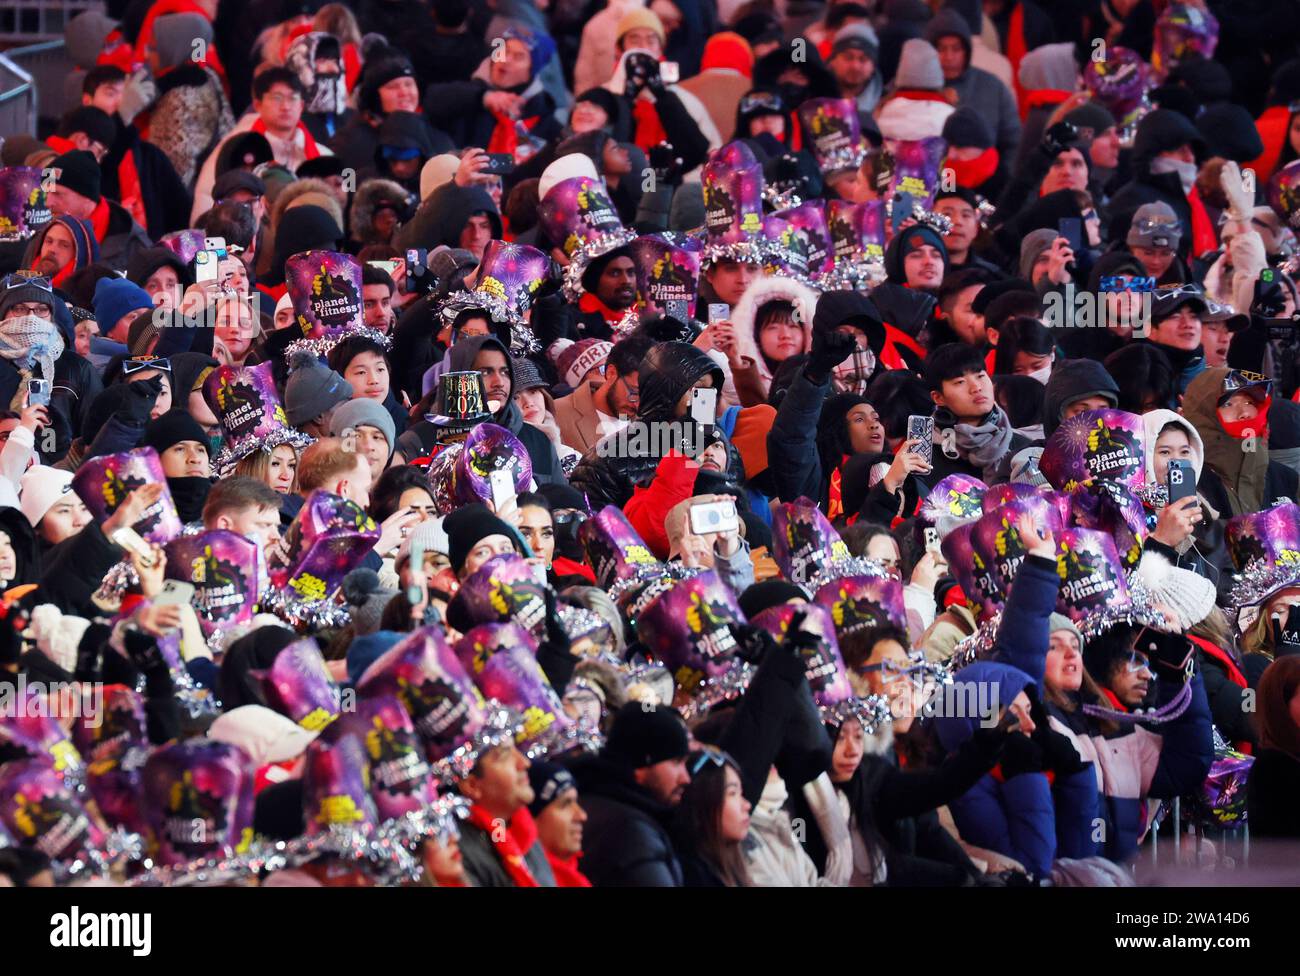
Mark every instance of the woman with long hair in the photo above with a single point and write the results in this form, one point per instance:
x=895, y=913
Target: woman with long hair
x=1273, y=792
x=714, y=821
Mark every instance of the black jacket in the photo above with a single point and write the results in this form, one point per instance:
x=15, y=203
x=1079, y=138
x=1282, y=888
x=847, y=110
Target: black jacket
x=76, y=384
x=444, y=214
x=611, y=470
x=626, y=840
x=457, y=108
x=75, y=568
x=167, y=201
x=1273, y=795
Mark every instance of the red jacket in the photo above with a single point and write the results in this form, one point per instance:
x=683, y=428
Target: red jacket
x=648, y=508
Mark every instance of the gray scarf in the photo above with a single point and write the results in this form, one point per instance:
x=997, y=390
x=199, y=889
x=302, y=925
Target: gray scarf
x=983, y=445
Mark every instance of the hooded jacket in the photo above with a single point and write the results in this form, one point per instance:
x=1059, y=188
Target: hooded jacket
x=456, y=107
x=610, y=473
x=976, y=88
x=421, y=437
x=1072, y=380
x=444, y=214
x=1161, y=131
x=626, y=840
x=1233, y=480
x=753, y=380
x=369, y=196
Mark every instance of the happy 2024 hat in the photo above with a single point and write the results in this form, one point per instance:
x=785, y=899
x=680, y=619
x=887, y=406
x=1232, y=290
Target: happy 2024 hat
x=199, y=800
x=733, y=210
x=103, y=483
x=857, y=234
x=1096, y=445
x=667, y=271
x=325, y=291
x=227, y=572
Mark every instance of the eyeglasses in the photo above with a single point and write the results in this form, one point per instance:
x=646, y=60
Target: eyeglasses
x=137, y=363
x=757, y=100
x=1137, y=663
x=40, y=310
x=279, y=98
x=633, y=392
x=1114, y=283
x=889, y=669
x=708, y=754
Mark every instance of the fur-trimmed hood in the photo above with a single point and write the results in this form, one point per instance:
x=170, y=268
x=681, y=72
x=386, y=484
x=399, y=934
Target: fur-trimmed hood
x=368, y=196
x=770, y=289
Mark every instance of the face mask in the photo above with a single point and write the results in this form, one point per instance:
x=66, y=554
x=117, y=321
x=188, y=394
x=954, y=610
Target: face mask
x=1042, y=374
x=792, y=93
x=770, y=143
x=1186, y=171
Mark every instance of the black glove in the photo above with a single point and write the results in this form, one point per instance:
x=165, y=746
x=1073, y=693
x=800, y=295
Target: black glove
x=1021, y=754
x=754, y=642
x=143, y=652
x=142, y=395
x=641, y=67
x=666, y=164
x=829, y=349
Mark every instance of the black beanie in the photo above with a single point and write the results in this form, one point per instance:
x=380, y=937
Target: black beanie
x=966, y=127
x=94, y=122
x=170, y=429
x=992, y=290
x=643, y=734
x=466, y=527
x=1229, y=131
x=604, y=98
x=768, y=594
x=78, y=172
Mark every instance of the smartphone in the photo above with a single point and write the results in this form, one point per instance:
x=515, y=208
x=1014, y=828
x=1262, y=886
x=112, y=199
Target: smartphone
x=217, y=244
x=1180, y=479
x=129, y=539
x=932, y=540
x=414, y=594
x=38, y=393
x=206, y=267
x=499, y=164
x=669, y=72
x=503, y=489
x=902, y=209
x=921, y=428
x=709, y=517
x=679, y=309
x=174, y=593
x=1071, y=228
x=704, y=407
x=390, y=266
x=719, y=312
x=416, y=261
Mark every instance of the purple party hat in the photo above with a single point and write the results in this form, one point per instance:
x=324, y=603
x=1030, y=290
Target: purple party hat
x=1094, y=591
x=490, y=448
x=328, y=538
x=23, y=210
x=104, y=482
x=803, y=542
x=810, y=217
x=666, y=272
x=185, y=244
x=917, y=163
x=199, y=800
x=615, y=551
x=823, y=663
x=1096, y=445
x=39, y=810
x=1265, y=548
x=226, y=571
x=336, y=787
x=246, y=404
x=859, y=602
x=400, y=776
x=832, y=132
x=298, y=686
x=1283, y=193
x=504, y=589
x=507, y=280
x=577, y=215
x=733, y=213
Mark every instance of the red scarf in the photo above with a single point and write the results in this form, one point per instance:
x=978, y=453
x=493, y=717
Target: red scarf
x=1256, y=425
x=99, y=219
x=971, y=173
x=1016, y=51
x=1272, y=126
x=589, y=303
x=834, y=496
x=129, y=191
x=510, y=844
x=1204, y=238
x=1043, y=97
x=564, y=566
x=566, y=872
x=1115, y=703
x=309, y=148
x=649, y=131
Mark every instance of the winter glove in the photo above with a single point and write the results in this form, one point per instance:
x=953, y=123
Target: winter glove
x=1240, y=203
x=1246, y=252
x=1171, y=655
x=754, y=642
x=555, y=654
x=666, y=165
x=137, y=406
x=1286, y=633
x=139, y=93
x=1058, y=138
x=640, y=68
x=1021, y=754
x=143, y=652
x=829, y=349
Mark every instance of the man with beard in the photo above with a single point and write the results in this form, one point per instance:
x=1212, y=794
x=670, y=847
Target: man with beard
x=66, y=245
x=610, y=283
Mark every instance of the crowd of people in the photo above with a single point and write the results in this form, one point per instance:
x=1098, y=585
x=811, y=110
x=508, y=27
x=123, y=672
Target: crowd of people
x=703, y=443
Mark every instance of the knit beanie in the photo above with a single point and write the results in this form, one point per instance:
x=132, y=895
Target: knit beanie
x=856, y=37
x=918, y=67
x=366, y=649
x=366, y=599
x=364, y=412
x=643, y=734
x=312, y=389
x=170, y=429
x=641, y=17
x=1154, y=225
x=1091, y=115
x=95, y=123
x=116, y=297
x=174, y=36
x=966, y=127
x=727, y=50
x=377, y=74
x=767, y=594
x=1189, y=595
x=1229, y=131
x=907, y=241
x=263, y=733
x=578, y=359
x=605, y=99
x=549, y=780
x=79, y=172
x=527, y=375
x=467, y=527
x=42, y=487
x=1033, y=245
x=57, y=635
x=17, y=289
x=1059, y=621
x=541, y=47
x=430, y=535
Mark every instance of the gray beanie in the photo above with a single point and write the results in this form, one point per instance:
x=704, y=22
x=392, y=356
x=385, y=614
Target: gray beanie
x=1154, y=225
x=366, y=599
x=312, y=389
x=918, y=66
x=687, y=208
x=174, y=36
x=1034, y=244
x=364, y=412
x=1059, y=621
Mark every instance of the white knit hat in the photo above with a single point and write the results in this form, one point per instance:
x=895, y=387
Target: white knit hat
x=437, y=171
x=565, y=168
x=57, y=636
x=1189, y=595
x=267, y=736
x=42, y=487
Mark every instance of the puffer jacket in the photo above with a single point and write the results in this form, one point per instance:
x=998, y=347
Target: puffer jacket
x=751, y=382
x=620, y=462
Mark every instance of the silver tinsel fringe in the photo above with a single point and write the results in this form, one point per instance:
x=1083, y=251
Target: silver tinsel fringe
x=230, y=455
x=1259, y=581
x=584, y=255
x=871, y=712
x=322, y=346
x=305, y=615
x=727, y=686
x=853, y=566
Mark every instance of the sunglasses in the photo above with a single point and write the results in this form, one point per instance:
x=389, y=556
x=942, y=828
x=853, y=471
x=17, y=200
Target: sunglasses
x=889, y=669
x=27, y=279
x=708, y=754
x=756, y=100
x=137, y=363
x=564, y=518
x=1117, y=283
